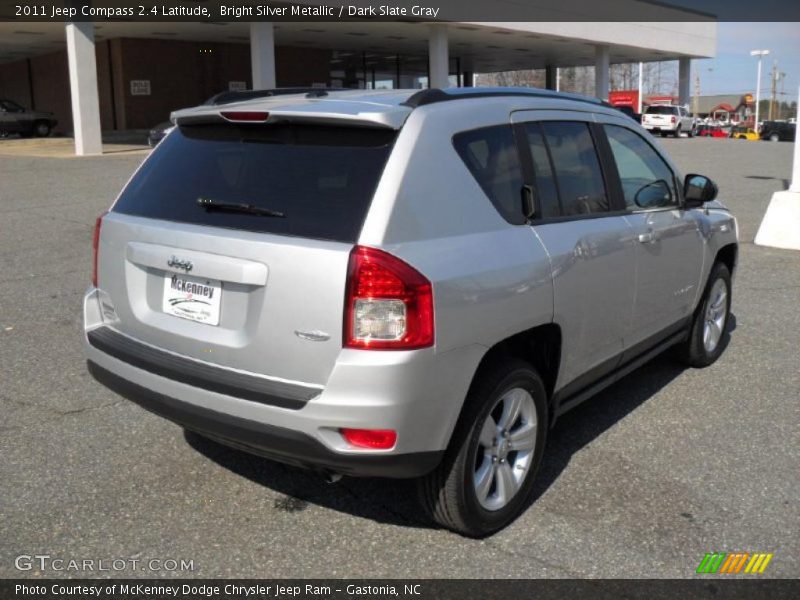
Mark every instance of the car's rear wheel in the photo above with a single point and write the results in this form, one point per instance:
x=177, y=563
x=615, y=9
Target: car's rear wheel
x=41, y=129
x=707, y=337
x=677, y=132
x=487, y=475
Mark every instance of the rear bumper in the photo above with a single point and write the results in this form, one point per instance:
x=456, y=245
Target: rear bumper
x=417, y=393
x=277, y=443
x=660, y=128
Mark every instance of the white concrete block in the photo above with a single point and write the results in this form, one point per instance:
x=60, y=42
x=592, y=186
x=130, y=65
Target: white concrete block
x=781, y=225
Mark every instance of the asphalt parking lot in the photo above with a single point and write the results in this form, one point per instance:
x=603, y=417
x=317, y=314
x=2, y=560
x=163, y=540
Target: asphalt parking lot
x=641, y=481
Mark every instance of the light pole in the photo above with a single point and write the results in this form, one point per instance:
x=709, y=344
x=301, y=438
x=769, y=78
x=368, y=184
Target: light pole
x=760, y=54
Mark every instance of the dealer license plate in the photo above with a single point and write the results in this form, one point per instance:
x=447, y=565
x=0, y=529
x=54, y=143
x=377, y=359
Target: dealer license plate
x=194, y=298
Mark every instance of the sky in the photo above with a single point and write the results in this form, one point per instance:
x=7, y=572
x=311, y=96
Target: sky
x=735, y=71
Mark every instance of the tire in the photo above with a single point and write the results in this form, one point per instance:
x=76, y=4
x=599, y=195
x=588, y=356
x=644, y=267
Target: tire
x=710, y=319
x=677, y=132
x=691, y=132
x=478, y=453
x=41, y=129
x=774, y=137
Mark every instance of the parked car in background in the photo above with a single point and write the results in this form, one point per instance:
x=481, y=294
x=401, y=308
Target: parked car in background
x=628, y=110
x=157, y=133
x=18, y=119
x=668, y=119
x=744, y=133
x=778, y=131
x=276, y=277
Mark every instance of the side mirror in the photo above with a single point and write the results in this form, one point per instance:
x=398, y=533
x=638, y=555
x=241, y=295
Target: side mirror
x=697, y=190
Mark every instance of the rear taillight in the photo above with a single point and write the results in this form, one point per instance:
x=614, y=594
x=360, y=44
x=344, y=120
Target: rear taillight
x=389, y=304
x=673, y=118
x=95, y=245
x=375, y=439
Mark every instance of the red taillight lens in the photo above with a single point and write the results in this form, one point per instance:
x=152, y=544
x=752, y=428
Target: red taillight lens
x=95, y=246
x=389, y=304
x=245, y=116
x=375, y=439
x=674, y=119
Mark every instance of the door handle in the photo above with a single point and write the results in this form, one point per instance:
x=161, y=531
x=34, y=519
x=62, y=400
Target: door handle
x=647, y=238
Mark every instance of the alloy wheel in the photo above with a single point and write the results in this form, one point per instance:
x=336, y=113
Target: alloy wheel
x=716, y=315
x=505, y=449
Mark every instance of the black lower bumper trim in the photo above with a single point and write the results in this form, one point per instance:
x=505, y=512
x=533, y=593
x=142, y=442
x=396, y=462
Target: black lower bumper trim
x=208, y=377
x=277, y=443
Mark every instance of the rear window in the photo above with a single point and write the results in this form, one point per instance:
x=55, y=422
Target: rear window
x=660, y=110
x=321, y=178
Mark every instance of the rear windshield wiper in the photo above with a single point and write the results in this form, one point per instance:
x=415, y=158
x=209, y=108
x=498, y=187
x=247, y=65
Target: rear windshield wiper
x=237, y=207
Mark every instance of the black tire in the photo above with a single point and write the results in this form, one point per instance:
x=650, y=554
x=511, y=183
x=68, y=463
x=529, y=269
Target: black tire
x=448, y=494
x=693, y=351
x=41, y=129
x=677, y=132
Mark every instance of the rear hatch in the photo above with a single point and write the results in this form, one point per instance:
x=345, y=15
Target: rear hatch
x=662, y=116
x=230, y=245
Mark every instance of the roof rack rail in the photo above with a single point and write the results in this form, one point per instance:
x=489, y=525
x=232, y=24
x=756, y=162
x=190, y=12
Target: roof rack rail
x=436, y=95
x=242, y=95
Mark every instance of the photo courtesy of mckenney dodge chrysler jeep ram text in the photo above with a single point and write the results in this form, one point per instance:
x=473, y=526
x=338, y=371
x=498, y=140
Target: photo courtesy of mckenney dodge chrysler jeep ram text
x=404, y=283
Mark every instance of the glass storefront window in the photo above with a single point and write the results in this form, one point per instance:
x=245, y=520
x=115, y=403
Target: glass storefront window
x=382, y=71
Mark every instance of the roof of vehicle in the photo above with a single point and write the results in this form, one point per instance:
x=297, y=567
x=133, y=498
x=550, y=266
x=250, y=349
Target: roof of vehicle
x=382, y=108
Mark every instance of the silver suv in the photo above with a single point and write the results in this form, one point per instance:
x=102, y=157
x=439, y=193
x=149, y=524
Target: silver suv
x=403, y=284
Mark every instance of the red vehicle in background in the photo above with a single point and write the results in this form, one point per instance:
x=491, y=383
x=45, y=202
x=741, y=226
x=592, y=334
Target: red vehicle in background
x=712, y=131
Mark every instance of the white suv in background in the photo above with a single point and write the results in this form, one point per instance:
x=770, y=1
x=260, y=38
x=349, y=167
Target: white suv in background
x=668, y=119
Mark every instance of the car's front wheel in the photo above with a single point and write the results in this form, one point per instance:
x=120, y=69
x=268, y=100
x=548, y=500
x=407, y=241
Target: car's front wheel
x=707, y=336
x=486, y=478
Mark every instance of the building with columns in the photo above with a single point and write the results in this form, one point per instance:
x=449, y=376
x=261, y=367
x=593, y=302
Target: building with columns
x=130, y=75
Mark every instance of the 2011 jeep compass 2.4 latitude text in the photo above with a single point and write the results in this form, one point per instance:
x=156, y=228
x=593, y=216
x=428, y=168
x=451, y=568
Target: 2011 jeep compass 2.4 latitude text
x=403, y=284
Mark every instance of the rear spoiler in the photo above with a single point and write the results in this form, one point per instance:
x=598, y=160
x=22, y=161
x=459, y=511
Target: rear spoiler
x=305, y=113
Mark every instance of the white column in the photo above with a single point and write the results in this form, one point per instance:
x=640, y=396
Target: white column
x=780, y=227
x=262, y=55
x=684, y=79
x=641, y=87
x=558, y=79
x=795, y=186
x=601, y=72
x=438, y=57
x=83, y=88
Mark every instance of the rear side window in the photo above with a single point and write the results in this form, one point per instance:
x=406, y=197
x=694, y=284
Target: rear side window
x=321, y=178
x=577, y=167
x=660, y=110
x=491, y=156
